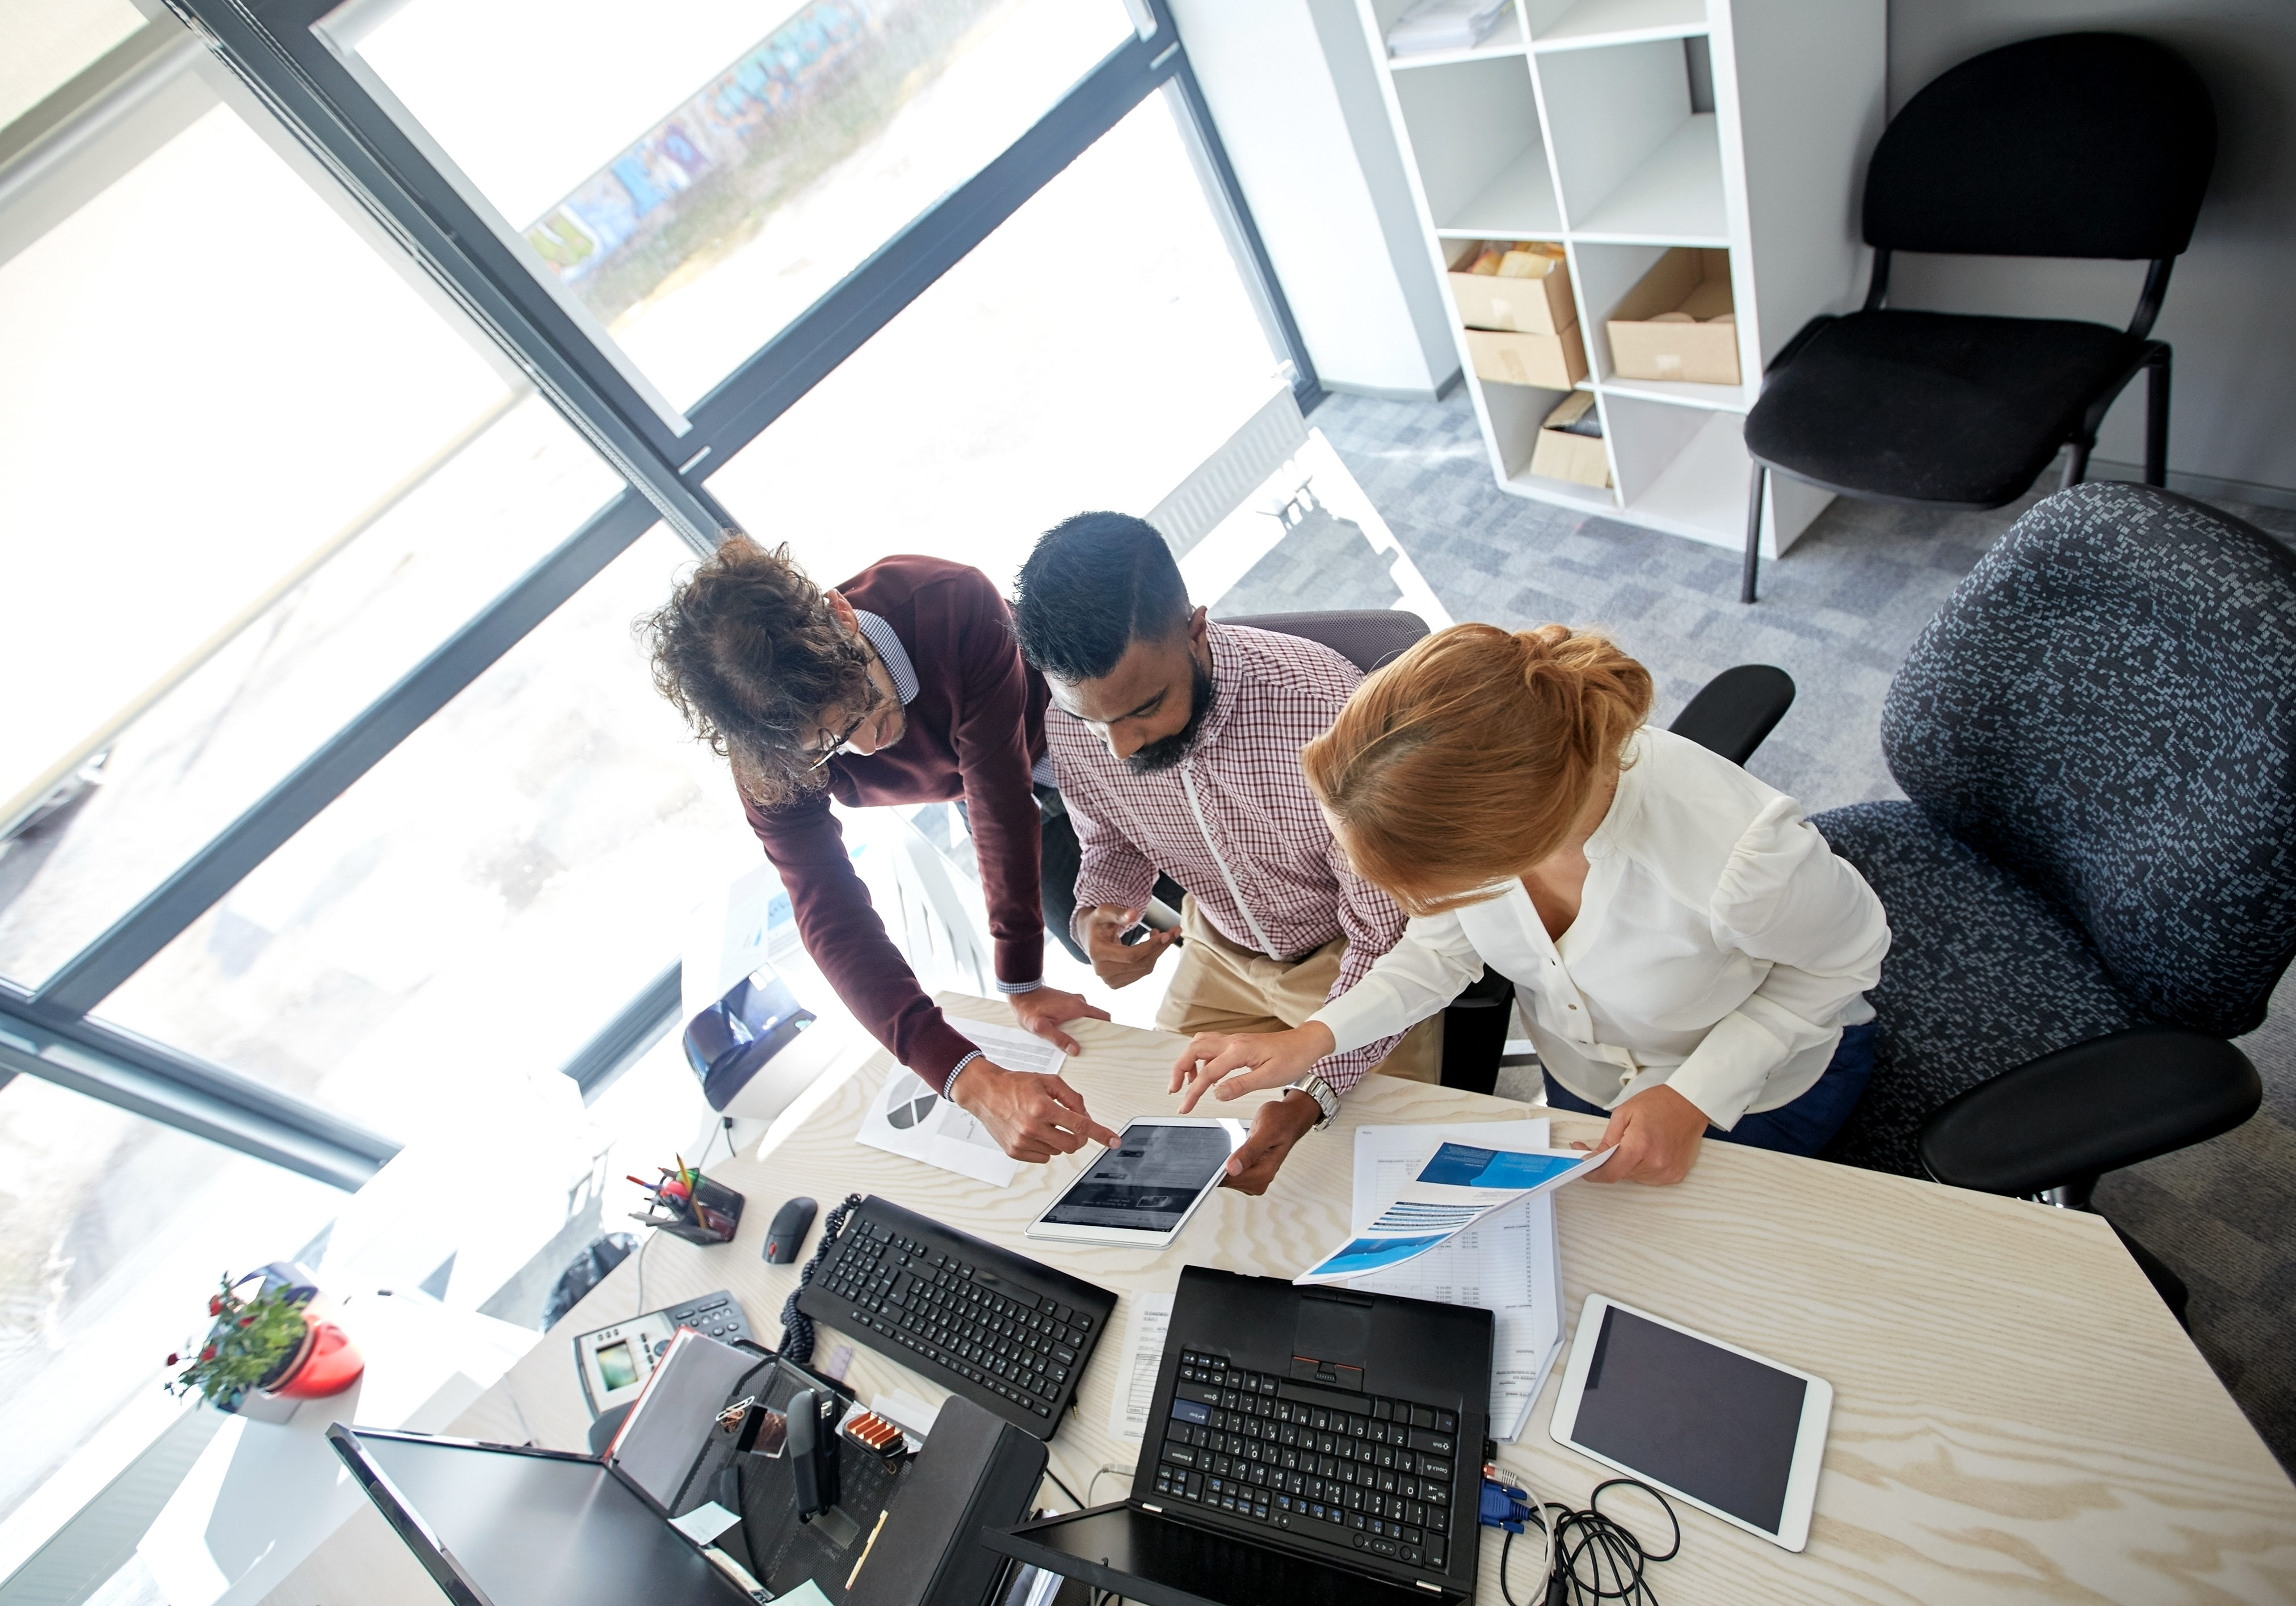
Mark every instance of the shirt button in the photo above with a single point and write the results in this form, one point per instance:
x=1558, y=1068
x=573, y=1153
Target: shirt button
x=1574, y=1006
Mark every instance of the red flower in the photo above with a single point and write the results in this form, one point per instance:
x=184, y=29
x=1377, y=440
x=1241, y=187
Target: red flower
x=174, y=1359
x=215, y=1305
x=207, y=1354
x=247, y=1320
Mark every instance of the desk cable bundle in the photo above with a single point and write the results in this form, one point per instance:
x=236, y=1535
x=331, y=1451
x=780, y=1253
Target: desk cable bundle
x=1588, y=1556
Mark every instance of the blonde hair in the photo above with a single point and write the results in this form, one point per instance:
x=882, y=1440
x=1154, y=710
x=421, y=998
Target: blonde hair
x=1465, y=761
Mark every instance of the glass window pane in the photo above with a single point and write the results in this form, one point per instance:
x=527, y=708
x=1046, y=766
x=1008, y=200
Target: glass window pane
x=49, y=41
x=695, y=188
x=117, y=1229
x=249, y=493
x=1089, y=354
x=483, y=901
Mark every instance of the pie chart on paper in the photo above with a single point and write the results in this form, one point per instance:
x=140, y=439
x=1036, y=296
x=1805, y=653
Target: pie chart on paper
x=909, y=1106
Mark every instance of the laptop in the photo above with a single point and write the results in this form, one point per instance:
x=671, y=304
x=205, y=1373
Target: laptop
x=1317, y=1446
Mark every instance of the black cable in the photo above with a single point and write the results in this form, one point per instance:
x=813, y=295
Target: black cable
x=797, y=1328
x=1596, y=1557
x=1063, y=1488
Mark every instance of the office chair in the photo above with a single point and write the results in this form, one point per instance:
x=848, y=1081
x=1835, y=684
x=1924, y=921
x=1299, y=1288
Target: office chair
x=1731, y=714
x=2095, y=883
x=2076, y=145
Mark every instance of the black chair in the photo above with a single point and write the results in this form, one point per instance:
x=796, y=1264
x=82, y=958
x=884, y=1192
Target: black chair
x=2095, y=883
x=1731, y=714
x=2077, y=145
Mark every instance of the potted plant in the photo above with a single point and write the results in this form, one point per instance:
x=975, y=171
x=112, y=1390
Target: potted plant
x=265, y=1342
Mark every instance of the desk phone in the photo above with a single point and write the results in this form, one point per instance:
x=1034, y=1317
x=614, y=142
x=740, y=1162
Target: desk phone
x=615, y=1362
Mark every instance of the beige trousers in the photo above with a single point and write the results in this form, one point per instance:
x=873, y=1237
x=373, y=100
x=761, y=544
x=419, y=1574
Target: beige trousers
x=1222, y=988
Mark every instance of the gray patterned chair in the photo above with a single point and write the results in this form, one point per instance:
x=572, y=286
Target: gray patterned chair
x=2095, y=883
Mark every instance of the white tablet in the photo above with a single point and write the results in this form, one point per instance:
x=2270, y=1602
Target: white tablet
x=1141, y=1193
x=1718, y=1426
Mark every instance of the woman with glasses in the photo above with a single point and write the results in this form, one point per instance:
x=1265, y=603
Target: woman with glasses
x=902, y=685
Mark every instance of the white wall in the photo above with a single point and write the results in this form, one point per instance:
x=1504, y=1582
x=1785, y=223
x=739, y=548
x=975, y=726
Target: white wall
x=1291, y=88
x=2231, y=311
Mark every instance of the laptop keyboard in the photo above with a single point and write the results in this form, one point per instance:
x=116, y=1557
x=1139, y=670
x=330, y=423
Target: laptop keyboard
x=1359, y=1472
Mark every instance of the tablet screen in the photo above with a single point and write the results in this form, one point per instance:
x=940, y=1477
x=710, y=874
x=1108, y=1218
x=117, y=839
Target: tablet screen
x=1148, y=1181
x=1717, y=1425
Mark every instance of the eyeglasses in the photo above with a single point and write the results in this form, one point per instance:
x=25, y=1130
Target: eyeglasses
x=837, y=746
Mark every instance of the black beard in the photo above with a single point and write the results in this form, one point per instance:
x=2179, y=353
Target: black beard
x=1164, y=754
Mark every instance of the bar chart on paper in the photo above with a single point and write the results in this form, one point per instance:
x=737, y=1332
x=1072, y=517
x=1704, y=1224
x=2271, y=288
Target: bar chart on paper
x=1509, y=1262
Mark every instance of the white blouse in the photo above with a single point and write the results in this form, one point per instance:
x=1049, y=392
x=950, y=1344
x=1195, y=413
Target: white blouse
x=1720, y=946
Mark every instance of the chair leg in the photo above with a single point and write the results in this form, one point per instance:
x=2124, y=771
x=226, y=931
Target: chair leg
x=2076, y=464
x=1753, y=533
x=2156, y=421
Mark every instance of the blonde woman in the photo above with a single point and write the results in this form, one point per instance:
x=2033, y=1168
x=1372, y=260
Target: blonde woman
x=1691, y=955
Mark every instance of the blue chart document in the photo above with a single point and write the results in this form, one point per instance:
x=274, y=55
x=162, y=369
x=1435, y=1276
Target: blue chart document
x=1454, y=1187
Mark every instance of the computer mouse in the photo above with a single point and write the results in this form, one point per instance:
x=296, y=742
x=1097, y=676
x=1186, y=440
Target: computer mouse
x=786, y=1236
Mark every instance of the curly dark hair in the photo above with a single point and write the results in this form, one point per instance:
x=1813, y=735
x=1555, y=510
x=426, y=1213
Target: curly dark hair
x=749, y=653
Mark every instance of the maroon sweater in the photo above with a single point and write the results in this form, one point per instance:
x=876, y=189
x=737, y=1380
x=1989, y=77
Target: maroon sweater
x=975, y=728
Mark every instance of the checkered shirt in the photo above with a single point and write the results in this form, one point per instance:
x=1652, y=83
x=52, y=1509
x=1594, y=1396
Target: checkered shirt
x=1236, y=822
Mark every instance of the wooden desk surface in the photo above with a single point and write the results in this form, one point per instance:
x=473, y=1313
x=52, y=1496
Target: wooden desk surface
x=2016, y=1415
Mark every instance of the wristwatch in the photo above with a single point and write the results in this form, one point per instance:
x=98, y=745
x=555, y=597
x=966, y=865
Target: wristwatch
x=1319, y=1090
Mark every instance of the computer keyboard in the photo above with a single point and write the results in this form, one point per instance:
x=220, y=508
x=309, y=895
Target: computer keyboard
x=1357, y=1471
x=1006, y=1331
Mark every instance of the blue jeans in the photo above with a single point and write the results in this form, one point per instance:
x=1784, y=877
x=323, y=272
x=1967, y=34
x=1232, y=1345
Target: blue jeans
x=1803, y=1127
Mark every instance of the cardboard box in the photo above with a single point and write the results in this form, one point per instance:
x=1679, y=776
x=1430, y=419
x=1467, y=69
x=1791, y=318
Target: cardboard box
x=1679, y=322
x=1537, y=303
x=1556, y=361
x=1561, y=452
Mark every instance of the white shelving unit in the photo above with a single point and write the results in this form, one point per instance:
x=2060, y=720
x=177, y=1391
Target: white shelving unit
x=1575, y=122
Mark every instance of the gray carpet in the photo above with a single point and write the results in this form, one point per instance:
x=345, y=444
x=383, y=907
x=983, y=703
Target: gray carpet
x=1837, y=614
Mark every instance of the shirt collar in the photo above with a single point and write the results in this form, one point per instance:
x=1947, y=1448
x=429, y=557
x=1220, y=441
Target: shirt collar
x=1228, y=672
x=1624, y=803
x=896, y=656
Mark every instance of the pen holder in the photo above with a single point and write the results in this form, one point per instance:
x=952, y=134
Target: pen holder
x=713, y=1215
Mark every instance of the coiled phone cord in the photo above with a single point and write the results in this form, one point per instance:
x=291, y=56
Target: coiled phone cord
x=797, y=1327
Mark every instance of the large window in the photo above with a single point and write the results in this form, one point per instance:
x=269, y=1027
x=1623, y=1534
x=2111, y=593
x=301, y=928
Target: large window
x=303, y=486
x=358, y=400
x=1089, y=354
x=696, y=180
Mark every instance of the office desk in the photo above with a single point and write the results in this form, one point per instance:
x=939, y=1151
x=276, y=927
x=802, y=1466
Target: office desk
x=2016, y=1417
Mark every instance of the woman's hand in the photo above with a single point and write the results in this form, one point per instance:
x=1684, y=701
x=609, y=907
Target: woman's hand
x=1656, y=1133
x=1244, y=1062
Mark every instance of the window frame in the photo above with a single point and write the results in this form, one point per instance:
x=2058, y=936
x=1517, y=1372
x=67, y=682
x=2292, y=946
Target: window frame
x=268, y=46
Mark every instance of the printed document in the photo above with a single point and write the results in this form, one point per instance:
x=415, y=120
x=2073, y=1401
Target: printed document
x=908, y=1119
x=1463, y=1213
x=1508, y=1263
x=1144, y=1353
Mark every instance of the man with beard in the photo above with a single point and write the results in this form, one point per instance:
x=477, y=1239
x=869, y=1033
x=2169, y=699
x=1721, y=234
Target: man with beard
x=1176, y=741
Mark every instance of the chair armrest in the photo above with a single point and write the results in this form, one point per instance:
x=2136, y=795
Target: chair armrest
x=2097, y=1106
x=1733, y=711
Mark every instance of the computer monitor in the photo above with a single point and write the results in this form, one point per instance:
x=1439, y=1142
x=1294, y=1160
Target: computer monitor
x=501, y=1527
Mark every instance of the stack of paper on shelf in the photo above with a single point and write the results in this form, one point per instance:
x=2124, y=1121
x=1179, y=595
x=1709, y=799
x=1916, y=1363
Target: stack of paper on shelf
x=1434, y=25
